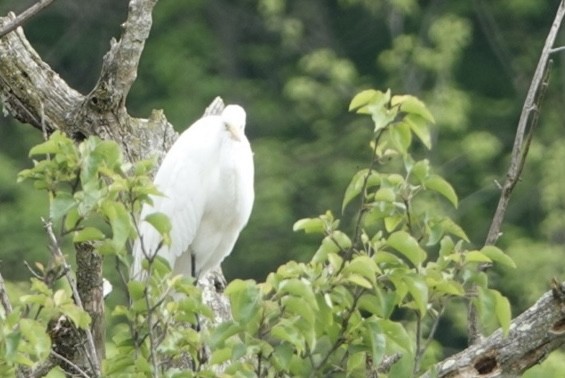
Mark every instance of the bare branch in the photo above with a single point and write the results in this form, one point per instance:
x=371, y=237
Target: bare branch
x=530, y=106
x=24, y=16
x=70, y=363
x=119, y=69
x=557, y=49
x=528, y=117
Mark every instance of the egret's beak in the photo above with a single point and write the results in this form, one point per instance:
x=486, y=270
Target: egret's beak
x=235, y=132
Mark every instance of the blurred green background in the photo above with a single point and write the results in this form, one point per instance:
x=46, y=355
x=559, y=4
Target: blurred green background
x=294, y=65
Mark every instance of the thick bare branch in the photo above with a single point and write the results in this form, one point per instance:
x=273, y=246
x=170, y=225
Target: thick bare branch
x=119, y=69
x=30, y=90
x=533, y=336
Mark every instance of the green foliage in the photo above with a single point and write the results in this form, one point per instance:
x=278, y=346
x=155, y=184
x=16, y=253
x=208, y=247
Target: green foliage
x=366, y=293
x=338, y=314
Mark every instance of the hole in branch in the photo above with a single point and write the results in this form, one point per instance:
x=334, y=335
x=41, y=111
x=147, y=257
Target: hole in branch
x=486, y=365
x=558, y=327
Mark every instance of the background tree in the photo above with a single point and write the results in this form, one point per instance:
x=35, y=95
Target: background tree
x=312, y=57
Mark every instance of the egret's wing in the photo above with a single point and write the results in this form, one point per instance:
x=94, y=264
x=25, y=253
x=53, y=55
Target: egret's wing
x=182, y=179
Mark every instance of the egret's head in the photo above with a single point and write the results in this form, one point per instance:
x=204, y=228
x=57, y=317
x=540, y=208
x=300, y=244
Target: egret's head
x=234, y=119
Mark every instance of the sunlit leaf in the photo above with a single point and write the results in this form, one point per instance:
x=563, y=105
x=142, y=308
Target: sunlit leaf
x=497, y=255
x=396, y=333
x=420, y=128
x=412, y=105
x=60, y=206
x=405, y=243
x=503, y=311
x=309, y=225
x=363, y=98
x=355, y=187
x=439, y=185
x=161, y=223
x=419, y=292
x=476, y=256
x=87, y=234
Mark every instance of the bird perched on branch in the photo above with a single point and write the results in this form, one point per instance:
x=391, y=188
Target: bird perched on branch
x=206, y=181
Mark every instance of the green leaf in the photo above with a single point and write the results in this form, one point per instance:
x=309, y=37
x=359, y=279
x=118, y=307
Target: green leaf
x=362, y=266
x=286, y=331
x=356, y=185
x=79, y=317
x=87, y=234
x=449, y=287
x=392, y=222
x=420, y=170
x=400, y=137
x=359, y=281
x=412, y=105
x=503, y=311
x=420, y=128
x=385, y=194
x=34, y=333
x=377, y=341
x=363, y=98
x=72, y=219
x=136, y=289
x=61, y=205
x=222, y=333
x=220, y=356
x=309, y=225
x=244, y=298
x=419, y=292
x=454, y=229
x=50, y=146
x=396, y=333
x=497, y=255
x=476, y=256
x=328, y=246
x=405, y=243
x=298, y=306
x=439, y=185
x=299, y=288
x=162, y=224
x=120, y=222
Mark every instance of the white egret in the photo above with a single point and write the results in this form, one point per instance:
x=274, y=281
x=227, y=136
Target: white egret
x=206, y=180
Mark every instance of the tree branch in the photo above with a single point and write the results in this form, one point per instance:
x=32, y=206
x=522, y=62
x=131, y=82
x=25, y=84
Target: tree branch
x=528, y=117
x=529, y=107
x=533, y=336
x=24, y=16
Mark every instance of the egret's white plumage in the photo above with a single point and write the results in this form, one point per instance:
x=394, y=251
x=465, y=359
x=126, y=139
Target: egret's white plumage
x=206, y=180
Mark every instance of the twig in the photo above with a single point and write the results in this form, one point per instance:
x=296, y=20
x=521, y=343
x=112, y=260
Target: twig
x=24, y=16
x=56, y=250
x=70, y=363
x=387, y=362
x=522, y=140
x=557, y=49
x=42, y=370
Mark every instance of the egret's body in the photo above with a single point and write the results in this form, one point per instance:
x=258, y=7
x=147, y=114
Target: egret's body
x=206, y=180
